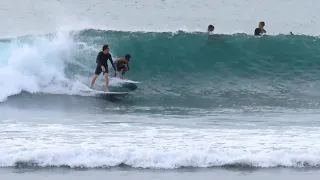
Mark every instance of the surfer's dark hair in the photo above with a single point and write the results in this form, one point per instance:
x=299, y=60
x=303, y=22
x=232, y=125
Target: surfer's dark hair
x=104, y=47
x=127, y=56
x=262, y=23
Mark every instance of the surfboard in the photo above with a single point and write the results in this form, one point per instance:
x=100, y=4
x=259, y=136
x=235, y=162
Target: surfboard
x=103, y=93
x=125, y=83
x=119, y=80
x=112, y=93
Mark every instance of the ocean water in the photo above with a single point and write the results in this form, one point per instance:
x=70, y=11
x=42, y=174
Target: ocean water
x=228, y=104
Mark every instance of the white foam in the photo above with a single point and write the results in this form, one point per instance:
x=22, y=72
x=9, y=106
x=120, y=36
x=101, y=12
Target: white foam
x=162, y=146
x=36, y=65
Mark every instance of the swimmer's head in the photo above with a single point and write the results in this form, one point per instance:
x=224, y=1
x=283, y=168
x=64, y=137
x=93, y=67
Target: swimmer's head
x=261, y=24
x=210, y=28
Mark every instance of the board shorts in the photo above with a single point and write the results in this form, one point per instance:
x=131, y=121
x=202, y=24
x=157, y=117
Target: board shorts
x=120, y=66
x=99, y=70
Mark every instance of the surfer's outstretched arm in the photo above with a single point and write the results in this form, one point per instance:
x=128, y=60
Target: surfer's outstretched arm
x=111, y=61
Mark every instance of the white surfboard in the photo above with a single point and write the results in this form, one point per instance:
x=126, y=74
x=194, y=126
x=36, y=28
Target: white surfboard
x=97, y=92
x=116, y=93
x=119, y=80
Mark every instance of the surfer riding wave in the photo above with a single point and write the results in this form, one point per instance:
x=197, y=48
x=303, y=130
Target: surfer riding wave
x=102, y=66
x=122, y=64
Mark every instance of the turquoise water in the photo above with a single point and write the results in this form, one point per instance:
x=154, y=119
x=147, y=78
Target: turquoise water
x=185, y=69
x=216, y=70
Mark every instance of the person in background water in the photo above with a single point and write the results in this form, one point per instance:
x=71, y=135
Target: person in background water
x=260, y=31
x=102, y=66
x=210, y=28
x=122, y=64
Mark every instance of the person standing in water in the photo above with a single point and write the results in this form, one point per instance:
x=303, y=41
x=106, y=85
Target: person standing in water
x=260, y=30
x=102, y=65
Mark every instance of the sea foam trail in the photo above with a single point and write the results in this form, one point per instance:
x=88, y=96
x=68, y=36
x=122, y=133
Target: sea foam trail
x=92, y=145
x=28, y=66
x=36, y=64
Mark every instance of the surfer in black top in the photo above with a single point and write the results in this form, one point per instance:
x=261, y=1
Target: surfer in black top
x=122, y=64
x=102, y=66
x=259, y=31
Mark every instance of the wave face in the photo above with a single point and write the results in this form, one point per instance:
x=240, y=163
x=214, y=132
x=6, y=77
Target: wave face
x=189, y=69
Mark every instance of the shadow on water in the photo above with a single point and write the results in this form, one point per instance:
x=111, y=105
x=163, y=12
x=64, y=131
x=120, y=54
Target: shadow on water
x=67, y=103
x=129, y=86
